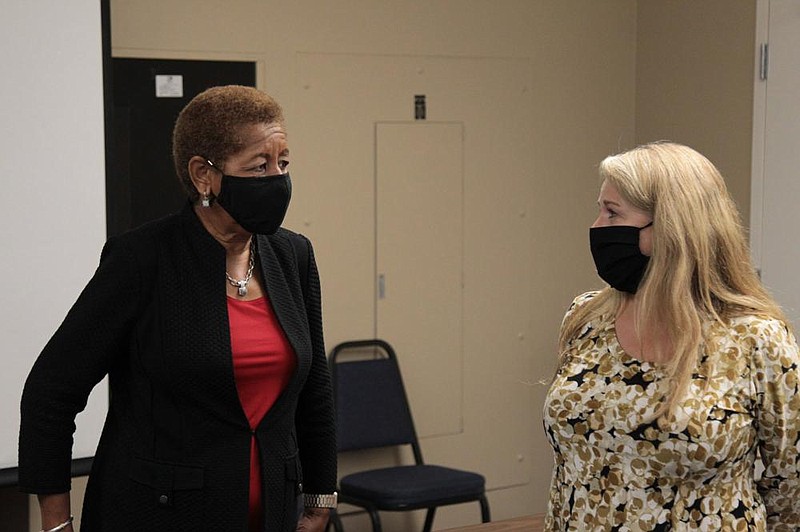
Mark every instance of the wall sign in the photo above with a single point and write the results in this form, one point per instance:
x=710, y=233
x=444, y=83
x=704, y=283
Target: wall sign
x=169, y=86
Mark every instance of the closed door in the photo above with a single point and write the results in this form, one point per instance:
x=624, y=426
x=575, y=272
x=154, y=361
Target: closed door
x=419, y=309
x=148, y=94
x=780, y=222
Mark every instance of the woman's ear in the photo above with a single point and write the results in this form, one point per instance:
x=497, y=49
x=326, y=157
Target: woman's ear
x=201, y=174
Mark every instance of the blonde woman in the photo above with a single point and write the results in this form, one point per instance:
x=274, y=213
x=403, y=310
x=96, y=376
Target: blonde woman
x=675, y=380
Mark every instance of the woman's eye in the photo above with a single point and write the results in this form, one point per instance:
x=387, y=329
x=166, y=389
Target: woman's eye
x=283, y=164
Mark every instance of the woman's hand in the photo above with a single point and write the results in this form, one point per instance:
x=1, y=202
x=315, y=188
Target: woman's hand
x=313, y=520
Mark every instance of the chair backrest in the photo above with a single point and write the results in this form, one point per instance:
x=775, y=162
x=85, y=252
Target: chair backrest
x=371, y=404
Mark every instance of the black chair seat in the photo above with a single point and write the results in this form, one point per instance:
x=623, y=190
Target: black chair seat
x=403, y=487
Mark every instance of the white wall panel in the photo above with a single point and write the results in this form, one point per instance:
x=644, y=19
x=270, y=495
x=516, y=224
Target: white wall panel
x=52, y=201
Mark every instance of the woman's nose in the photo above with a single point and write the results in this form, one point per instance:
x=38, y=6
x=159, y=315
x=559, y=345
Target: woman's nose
x=275, y=169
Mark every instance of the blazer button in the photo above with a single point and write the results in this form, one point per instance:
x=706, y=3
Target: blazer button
x=163, y=500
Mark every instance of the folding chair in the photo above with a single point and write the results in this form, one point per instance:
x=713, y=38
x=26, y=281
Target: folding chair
x=372, y=411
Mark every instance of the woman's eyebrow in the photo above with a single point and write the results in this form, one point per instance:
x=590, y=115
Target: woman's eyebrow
x=268, y=155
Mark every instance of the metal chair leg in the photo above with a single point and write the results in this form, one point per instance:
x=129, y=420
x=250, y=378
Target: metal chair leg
x=485, y=514
x=334, y=522
x=429, y=515
x=376, y=520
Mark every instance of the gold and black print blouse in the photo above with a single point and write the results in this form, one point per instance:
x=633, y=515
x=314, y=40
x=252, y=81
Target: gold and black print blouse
x=615, y=470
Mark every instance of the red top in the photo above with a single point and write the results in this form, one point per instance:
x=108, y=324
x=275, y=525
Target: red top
x=263, y=363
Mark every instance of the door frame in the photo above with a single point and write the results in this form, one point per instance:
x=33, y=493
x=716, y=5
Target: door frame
x=179, y=55
x=759, y=136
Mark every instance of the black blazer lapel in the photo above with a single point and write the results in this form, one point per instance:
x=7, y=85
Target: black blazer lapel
x=282, y=284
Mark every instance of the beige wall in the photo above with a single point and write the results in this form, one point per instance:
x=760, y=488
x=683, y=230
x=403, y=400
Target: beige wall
x=587, y=85
x=694, y=82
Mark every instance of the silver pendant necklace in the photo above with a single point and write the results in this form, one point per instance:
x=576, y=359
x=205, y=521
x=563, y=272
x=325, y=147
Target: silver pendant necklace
x=241, y=284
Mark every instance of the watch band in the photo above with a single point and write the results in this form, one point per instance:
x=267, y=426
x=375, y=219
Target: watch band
x=315, y=500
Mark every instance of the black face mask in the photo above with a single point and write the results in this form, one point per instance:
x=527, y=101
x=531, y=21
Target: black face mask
x=616, y=253
x=258, y=204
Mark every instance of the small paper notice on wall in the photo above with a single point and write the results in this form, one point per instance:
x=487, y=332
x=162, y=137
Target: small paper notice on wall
x=169, y=86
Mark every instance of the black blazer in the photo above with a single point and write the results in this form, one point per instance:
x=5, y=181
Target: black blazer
x=175, y=450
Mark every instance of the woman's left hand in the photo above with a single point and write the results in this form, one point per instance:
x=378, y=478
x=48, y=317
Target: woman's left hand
x=313, y=520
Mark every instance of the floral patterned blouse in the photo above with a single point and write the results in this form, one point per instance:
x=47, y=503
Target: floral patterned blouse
x=616, y=471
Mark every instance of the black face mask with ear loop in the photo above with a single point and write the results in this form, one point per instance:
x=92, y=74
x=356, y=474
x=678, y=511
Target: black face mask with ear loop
x=616, y=253
x=258, y=204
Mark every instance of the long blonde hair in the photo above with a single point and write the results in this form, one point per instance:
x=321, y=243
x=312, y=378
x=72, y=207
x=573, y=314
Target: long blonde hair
x=700, y=268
